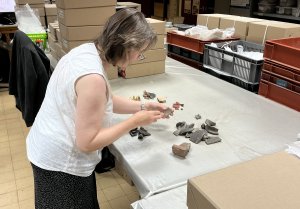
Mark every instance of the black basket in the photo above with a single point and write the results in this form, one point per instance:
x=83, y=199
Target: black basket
x=232, y=64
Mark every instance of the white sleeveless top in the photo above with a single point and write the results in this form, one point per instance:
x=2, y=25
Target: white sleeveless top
x=51, y=140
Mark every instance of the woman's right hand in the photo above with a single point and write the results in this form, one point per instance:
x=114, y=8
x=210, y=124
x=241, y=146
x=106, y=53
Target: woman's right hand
x=145, y=117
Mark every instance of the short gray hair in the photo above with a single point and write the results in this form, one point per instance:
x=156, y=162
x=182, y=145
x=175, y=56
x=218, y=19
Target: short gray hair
x=126, y=30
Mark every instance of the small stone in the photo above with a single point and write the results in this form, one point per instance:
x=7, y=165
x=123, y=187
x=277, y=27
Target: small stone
x=133, y=132
x=180, y=124
x=211, y=129
x=181, y=150
x=141, y=136
x=212, y=140
x=186, y=129
x=161, y=99
x=144, y=132
x=209, y=122
x=148, y=95
x=197, y=136
x=135, y=98
x=197, y=117
x=168, y=112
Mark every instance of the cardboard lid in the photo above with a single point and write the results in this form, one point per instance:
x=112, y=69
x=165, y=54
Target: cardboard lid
x=271, y=181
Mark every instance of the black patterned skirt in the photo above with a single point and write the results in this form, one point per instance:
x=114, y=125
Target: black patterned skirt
x=58, y=190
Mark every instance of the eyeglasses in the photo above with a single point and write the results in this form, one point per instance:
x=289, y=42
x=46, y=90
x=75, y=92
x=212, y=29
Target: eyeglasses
x=141, y=57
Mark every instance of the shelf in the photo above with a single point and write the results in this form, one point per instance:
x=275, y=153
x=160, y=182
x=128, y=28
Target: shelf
x=278, y=16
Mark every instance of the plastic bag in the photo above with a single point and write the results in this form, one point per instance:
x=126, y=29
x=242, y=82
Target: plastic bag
x=28, y=20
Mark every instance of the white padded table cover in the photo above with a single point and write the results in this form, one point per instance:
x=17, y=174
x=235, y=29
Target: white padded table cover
x=172, y=199
x=249, y=125
x=177, y=198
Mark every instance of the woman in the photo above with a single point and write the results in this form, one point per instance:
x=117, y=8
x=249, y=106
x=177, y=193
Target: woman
x=73, y=124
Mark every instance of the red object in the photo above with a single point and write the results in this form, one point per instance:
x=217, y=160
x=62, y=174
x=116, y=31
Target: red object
x=285, y=72
x=191, y=43
x=177, y=105
x=280, y=90
x=284, y=51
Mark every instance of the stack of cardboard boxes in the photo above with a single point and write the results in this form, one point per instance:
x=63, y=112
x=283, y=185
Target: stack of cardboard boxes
x=82, y=21
x=54, y=41
x=78, y=22
x=211, y=21
x=241, y=25
x=35, y=5
x=250, y=29
x=260, y=32
x=154, y=62
x=51, y=13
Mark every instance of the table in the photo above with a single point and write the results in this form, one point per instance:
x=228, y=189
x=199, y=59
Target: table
x=249, y=125
x=172, y=199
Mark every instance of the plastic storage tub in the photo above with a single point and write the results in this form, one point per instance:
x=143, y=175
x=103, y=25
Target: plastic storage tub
x=284, y=51
x=280, y=90
x=232, y=64
x=282, y=71
x=190, y=43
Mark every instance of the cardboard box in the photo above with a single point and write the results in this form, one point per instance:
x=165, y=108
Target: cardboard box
x=85, y=16
x=63, y=53
x=259, y=32
x=30, y=2
x=160, y=44
x=75, y=33
x=68, y=45
x=41, y=11
x=50, y=9
x=51, y=19
x=58, y=35
x=271, y=181
x=212, y=21
x=51, y=41
x=33, y=6
x=58, y=49
x=152, y=56
x=121, y=5
x=52, y=29
x=54, y=55
x=43, y=21
x=112, y=73
x=72, y=4
x=157, y=25
x=145, y=69
x=241, y=24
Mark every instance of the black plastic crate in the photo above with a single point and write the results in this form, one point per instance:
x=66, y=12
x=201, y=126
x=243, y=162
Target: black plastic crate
x=233, y=64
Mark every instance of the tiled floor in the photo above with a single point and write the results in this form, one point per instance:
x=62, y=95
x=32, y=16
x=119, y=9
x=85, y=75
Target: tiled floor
x=16, y=179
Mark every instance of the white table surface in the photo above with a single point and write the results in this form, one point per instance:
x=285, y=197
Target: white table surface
x=249, y=125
